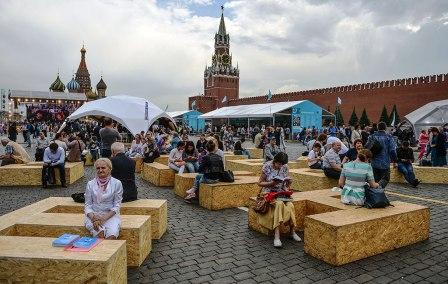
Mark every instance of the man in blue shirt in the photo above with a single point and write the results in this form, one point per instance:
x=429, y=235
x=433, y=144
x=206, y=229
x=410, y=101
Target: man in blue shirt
x=54, y=157
x=384, y=150
x=332, y=130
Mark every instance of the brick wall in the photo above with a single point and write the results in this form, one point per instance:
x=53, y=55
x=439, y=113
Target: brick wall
x=408, y=95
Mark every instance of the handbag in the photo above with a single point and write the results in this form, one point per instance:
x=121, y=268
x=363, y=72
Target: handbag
x=375, y=198
x=78, y=197
x=261, y=205
x=227, y=176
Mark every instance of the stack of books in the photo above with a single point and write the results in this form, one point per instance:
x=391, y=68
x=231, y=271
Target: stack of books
x=76, y=243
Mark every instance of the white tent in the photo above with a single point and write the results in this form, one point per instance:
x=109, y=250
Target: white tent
x=431, y=114
x=255, y=110
x=136, y=114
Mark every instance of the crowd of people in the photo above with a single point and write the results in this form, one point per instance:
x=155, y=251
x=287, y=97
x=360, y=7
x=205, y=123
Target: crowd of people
x=363, y=160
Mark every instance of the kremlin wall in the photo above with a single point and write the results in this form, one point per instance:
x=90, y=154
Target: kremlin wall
x=407, y=94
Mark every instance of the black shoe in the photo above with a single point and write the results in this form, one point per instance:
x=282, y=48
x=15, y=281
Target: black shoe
x=416, y=183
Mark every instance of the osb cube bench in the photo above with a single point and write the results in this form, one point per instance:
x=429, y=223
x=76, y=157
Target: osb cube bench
x=135, y=230
x=348, y=235
x=185, y=181
x=255, y=153
x=232, y=157
x=163, y=159
x=302, y=162
x=156, y=208
x=307, y=179
x=438, y=175
x=138, y=164
x=35, y=260
x=253, y=165
x=338, y=234
x=228, y=195
x=158, y=174
x=31, y=174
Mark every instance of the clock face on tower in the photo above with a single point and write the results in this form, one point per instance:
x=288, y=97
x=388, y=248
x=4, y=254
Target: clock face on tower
x=225, y=59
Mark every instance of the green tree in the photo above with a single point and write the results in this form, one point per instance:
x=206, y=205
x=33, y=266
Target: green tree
x=353, y=118
x=364, y=120
x=338, y=115
x=397, y=117
x=384, y=116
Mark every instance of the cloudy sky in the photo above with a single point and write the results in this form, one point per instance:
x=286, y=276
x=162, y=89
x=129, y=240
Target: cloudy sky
x=158, y=49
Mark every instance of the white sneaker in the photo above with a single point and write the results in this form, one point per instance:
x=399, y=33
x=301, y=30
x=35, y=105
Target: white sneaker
x=277, y=243
x=191, y=190
x=296, y=237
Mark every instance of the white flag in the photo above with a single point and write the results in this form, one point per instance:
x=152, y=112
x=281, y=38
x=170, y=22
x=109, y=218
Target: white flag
x=224, y=99
x=339, y=101
x=193, y=105
x=269, y=95
x=393, y=120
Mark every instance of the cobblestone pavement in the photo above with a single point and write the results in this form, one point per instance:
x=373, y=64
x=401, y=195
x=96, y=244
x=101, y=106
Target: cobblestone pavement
x=216, y=246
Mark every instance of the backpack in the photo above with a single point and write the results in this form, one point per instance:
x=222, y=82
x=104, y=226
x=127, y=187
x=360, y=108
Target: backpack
x=227, y=176
x=376, y=147
x=375, y=198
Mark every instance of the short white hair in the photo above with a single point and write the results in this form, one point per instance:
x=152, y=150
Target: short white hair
x=117, y=147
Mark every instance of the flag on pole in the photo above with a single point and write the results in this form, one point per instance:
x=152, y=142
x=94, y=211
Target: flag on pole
x=269, y=95
x=193, y=104
x=224, y=99
x=393, y=120
x=339, y=101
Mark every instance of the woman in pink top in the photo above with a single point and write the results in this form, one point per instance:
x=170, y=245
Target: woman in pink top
x=422, y=141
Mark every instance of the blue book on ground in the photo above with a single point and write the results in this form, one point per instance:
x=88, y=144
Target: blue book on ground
x=65, y=240
x=85, y=242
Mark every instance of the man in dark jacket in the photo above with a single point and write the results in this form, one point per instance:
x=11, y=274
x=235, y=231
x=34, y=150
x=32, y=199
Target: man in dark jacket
x=384, y=150
x=405, y=158
x=123, y=169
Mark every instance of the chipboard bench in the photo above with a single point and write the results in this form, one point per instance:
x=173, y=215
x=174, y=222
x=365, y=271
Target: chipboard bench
x=31, y=174
x=437, y=175
x=254, y=165
x=306, y=179
x=158, y=174
x=338, y=234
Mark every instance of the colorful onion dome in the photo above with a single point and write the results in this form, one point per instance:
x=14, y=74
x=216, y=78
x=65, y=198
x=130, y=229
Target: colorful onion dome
x=101, y=85
x=57, y=85
x=73, y=85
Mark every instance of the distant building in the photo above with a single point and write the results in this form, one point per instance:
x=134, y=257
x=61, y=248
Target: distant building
x=221, y=79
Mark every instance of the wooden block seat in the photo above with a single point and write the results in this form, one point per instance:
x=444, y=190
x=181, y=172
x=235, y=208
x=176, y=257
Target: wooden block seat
x=228, y=195
x=138, y=164
x=135, y=229
x=253, y=165
x=307, y=179
x=185, y=181
x=163, y=159
x=232, y=157
x=34, y=260
x=348, y=235
x=255, y=153
x=31, y=174
x=438, y=175
x=302, y=162
x=158, y=174
x=338, y=234
x=156, y=208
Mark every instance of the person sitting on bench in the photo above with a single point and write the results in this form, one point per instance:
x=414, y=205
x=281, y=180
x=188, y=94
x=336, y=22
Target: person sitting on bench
x=271, y=149
x=274, y=180
x=331, y=163
x=210, y=170
x=315, y=157
x=405, y=158
x=354, y=175
x=175, y=161
x=103, y=201
x=123, y=169
x=14, y=153
x=54, y=158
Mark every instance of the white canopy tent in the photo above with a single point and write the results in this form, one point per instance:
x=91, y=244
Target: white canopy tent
x=431, y=114
x=135, y=114
x=256, y=110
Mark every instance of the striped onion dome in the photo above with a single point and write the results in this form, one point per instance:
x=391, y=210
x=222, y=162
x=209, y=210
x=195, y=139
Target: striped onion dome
x=73, y=86
x=57, y=85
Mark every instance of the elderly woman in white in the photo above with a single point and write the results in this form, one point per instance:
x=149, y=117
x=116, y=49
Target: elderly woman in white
x=102, y=202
